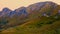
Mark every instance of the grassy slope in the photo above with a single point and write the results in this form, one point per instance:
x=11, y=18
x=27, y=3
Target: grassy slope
x=43, y=25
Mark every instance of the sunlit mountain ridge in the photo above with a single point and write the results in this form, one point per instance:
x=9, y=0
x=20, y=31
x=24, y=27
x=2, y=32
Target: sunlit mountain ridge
x=31, y=19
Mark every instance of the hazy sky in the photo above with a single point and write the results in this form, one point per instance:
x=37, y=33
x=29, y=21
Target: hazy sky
x=13, y=4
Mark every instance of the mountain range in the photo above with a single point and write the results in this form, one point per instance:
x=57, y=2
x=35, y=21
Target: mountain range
x=40, y=13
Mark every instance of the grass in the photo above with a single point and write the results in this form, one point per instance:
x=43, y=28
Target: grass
x=44, y=25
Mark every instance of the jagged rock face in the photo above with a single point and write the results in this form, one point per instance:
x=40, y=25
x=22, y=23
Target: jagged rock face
x=5, y=12
x=21, y=11
x=39, y=8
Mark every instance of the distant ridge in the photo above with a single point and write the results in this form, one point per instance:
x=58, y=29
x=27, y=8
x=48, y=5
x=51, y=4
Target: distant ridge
x=30, y=8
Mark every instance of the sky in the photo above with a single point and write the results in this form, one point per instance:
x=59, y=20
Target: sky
x=14, y=4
